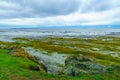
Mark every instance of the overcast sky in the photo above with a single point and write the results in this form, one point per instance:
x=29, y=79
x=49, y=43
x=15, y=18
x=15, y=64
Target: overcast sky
x=59, y=12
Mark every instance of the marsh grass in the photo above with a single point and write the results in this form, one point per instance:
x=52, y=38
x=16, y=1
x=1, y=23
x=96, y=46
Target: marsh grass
x=16, y=68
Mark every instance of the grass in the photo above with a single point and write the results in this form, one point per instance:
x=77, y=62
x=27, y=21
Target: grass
x=12, y=66
x=16, y=68
x=78, y=46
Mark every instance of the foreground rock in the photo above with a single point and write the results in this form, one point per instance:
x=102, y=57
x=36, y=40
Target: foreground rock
x=67, y=65
x=76, y=65
x=59, y=63
x=54, y=62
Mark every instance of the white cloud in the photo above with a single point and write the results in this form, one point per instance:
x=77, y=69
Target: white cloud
x=90, y=12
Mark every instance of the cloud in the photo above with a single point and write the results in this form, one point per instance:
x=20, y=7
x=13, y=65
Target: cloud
x=36, y=8
x=59, y=12
x=98, y=5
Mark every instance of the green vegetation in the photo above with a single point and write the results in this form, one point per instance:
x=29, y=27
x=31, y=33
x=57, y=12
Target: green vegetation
x=16, y=68
x=103, y=50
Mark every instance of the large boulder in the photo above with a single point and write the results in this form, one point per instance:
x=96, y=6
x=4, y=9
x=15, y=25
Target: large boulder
x=76, y=65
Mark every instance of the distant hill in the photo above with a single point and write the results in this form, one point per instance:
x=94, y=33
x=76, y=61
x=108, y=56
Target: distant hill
x=60, y=27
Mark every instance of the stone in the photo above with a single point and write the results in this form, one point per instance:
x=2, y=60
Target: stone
x=71, y=71
x=78, y=64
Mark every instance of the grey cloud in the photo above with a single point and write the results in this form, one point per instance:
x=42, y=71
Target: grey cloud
x=99, y=5
x=37, y=8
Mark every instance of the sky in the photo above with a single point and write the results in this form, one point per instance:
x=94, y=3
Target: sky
x=59, y=12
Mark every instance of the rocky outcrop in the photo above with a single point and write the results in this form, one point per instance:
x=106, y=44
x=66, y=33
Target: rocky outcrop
x=79, y=64
x=59, y=63
x=54, y=62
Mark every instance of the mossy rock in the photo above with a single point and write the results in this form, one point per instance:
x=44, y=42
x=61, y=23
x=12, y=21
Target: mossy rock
x=79, y=64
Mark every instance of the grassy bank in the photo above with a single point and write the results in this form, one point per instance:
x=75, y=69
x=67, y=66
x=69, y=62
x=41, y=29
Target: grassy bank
x=100, y=49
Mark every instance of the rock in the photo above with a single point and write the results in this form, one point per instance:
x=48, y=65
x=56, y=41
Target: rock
x=71, y=71
x=76, y=59
x=90, y=67
x=95, y=49
x=54, y=62
x=76, y=65
x=53, y=69
x=42, y=67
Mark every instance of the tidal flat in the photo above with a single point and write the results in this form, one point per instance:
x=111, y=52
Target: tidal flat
x=35, y=54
